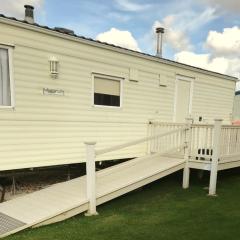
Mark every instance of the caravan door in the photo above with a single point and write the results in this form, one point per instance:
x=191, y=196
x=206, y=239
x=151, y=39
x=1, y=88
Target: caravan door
x=183, y=98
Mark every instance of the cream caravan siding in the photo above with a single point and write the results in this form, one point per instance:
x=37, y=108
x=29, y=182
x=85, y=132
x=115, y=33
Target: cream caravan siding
x=47, y=130
x=213, y=98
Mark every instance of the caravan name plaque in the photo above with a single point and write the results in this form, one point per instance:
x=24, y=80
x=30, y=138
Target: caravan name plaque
x=57, y=92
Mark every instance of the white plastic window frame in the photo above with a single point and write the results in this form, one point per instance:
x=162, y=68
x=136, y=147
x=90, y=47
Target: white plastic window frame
x=120, y=79
x=9, y=48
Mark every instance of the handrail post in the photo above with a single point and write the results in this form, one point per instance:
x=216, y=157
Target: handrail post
x=187, y=148
x=91, y=178
x=215, y=157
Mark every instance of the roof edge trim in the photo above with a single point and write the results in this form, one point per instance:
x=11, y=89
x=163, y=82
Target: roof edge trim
x=89, y=41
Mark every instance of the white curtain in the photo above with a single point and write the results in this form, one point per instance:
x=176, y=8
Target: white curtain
x=5, y=94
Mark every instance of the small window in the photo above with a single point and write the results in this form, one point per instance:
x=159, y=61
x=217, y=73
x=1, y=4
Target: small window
x=5, y=89
x=107, y=91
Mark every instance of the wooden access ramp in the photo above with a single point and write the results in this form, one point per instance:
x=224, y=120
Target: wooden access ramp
x=64, y=200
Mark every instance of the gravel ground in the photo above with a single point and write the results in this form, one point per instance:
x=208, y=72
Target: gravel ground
x=34, y=180
x=31, y=181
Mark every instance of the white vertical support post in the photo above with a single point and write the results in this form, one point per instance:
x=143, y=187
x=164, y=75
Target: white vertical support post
x=187, y=148
x=91, y=178
x=215, y=157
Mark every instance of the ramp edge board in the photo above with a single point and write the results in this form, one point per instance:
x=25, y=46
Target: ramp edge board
x=228, y=165
x=206, y=165
x=195, y=164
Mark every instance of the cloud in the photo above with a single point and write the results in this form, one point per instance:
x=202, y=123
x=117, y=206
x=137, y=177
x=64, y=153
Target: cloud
x=119, y=17
x=129, y=5
x=223, y=56
x=202, y=61
x=178, y=28
x=224, y=65
x=15, y=8
x=119, y=38
x=226, y=42
x=176, y=38
x=193, y=20
x=224, y=5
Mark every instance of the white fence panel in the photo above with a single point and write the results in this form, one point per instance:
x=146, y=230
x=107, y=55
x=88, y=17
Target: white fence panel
x=201, y=141
x=201, y=135
x=230, y=140
x=168, y=143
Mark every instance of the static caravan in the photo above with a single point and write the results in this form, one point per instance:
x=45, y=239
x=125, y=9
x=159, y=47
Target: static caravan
x=236, y=106
x=59, y=90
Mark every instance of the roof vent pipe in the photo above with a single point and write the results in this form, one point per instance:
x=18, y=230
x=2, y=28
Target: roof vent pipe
x=29, y=17
x=159, y=32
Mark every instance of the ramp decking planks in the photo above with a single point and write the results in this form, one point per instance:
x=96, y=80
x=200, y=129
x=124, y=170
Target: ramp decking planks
x=63, y=200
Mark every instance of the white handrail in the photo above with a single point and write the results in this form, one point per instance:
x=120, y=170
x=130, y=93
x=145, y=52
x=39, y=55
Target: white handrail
x=167, y=123
x=91, y=169
x=202, y=125
x=121, y=146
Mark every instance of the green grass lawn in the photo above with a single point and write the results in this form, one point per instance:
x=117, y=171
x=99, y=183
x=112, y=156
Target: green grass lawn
x=162, y=210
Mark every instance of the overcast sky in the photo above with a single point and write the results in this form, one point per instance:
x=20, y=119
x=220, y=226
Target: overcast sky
x=204, y=33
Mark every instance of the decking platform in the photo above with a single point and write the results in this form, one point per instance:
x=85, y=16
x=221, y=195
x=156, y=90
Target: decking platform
x=63, y=200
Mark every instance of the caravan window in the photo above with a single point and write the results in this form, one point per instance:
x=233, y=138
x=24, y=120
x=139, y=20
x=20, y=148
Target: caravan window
x=107, y=91
x=5, y=88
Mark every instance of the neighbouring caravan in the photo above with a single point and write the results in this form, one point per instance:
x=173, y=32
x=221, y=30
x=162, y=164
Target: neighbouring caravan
x=59, y=90
x=236, y=107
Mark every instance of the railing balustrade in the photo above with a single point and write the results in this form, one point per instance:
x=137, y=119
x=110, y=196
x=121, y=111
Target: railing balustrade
x=203, y=142
x=201, y=145
x=169, y=143
x=91, y=154
x=230, y=140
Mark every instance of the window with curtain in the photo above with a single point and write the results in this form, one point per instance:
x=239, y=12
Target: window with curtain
x=5, y=93
x=107, y=91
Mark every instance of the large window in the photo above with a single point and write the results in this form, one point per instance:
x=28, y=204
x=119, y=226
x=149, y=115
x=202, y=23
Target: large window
x=107, y=91
x=5, y=86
